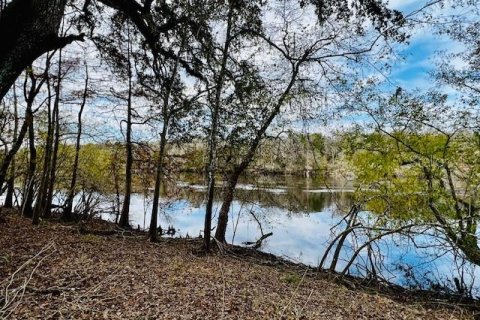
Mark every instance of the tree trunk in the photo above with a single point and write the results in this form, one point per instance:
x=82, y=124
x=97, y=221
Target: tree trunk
x=152, y=232
x=67, y=213
x=342, y=239
x=166, y=112
x=27, y=210
x=42, y=190
x=124, y=217
x=28, y=29
x=53, y=164
x=29, y=189
x=10, y=188
x=116, y=180
x=228, y=195
x=212, y=152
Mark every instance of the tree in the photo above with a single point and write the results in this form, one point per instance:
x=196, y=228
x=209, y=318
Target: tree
x=67, y=213
x=124, y=215
x=215, y=102
x=30, y=94
x=421, y=165
x=46, y=187
x=301, y=47
x=172, y=104
x=28, y=29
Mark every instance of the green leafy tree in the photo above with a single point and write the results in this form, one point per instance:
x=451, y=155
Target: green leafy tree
x=421, y=164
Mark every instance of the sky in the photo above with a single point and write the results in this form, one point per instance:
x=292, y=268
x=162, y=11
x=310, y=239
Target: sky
x=410, y=70
x=411, y=65
x=421, y=53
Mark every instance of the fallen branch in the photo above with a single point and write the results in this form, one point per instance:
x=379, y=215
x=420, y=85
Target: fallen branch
x=55, y=291
x=257, y=244
x=221, y=246
x=13, y=296
x=84, y=230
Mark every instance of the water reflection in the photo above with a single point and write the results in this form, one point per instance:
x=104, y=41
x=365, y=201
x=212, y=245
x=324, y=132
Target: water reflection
x=301, y=214
x=287, y=192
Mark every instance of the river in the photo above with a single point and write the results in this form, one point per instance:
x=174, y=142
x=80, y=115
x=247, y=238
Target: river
x=304, y=215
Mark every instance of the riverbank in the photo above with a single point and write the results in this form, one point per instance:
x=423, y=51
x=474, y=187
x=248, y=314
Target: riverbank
x=64, y=271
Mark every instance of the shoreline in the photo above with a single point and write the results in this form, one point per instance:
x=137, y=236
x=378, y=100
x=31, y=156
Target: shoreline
x=269, y=259
x=98, y=245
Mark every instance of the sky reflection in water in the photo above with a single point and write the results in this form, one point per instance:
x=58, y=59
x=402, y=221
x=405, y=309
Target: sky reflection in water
x=301, y=216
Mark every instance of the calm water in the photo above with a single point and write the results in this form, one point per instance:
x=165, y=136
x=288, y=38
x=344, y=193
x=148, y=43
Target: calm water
x=301, y=214
x=304, y=215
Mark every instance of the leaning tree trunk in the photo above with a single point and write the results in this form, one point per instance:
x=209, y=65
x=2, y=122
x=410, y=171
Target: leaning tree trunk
x=247, y=159
x=212, y=152
x=28, y=29
x=227, y=200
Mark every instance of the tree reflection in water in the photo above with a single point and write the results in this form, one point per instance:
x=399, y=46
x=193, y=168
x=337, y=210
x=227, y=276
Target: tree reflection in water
x=306, y=218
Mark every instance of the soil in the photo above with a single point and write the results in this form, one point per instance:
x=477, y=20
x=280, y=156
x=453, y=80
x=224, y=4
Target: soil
x=94, y=271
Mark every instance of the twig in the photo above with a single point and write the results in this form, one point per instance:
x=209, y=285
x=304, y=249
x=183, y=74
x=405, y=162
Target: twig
x=305, y=304
x=293, y=295
x=16, y=294
x=223, y=290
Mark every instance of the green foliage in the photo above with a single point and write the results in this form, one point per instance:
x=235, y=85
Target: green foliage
x=393, y=172
x=98, y=165
x=194, y=159
x=91, y=238
x=293, y=279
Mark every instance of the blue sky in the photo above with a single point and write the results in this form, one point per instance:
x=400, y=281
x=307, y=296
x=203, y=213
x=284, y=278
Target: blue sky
x=410, y=71
x=421, y=54
x=414, y=70
x=412, y=63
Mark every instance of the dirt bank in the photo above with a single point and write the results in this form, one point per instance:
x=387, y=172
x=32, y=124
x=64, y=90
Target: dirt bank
x=63, y=273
